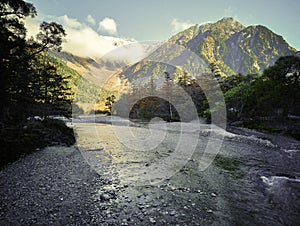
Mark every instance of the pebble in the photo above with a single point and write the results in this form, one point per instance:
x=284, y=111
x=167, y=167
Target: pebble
x=172, y=213
x=104, y=197
x=152, y=220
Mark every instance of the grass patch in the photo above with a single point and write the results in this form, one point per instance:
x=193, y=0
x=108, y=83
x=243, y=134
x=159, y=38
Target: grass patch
x=230, y=164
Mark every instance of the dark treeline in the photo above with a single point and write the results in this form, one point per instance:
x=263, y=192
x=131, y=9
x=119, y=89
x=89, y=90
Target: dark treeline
x=270, y=101
x=31, y=84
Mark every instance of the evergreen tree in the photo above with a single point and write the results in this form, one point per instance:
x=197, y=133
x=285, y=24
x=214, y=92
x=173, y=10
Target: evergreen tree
x=19, y=56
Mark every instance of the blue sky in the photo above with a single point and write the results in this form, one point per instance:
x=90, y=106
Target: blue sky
x=158, y=19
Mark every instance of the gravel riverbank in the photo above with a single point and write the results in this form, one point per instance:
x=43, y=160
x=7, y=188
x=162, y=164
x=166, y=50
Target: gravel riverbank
x=51, y=186
x=56, y=186
x=250, y=183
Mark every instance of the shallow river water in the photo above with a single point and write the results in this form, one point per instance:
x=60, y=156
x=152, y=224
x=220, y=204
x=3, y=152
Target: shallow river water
x=191, y=173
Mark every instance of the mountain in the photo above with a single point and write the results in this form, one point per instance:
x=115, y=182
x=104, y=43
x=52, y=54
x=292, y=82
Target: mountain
x=226, y=47
x=233, y=47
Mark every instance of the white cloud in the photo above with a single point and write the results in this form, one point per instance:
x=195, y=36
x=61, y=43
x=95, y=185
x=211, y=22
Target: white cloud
x=91, y=20
x=228, y=11
x=81, y=39
x=32, y=26
x=108, y=25
x=88, y=43
x=69, y=22
x=180, y=25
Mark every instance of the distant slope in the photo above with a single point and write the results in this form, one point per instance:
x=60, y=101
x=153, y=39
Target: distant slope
x=93, y=79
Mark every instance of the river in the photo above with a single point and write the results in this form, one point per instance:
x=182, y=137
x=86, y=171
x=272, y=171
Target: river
x=191, y=173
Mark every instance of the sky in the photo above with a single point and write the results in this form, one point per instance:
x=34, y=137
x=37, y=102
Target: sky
x=103, y=22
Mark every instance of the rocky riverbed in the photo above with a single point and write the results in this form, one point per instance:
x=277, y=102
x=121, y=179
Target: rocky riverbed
x=254, y=179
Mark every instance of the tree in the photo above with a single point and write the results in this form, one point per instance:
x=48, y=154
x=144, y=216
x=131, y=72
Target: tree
x=12, y=48
x=49, y=88
x=275, y=94
x=240, y=101
x=286, y=70
x=281, y=86
x=19, y=57
x=109, y=102
x=215, y=69
x=169, y=84
x=19, y=9
x=29, y=82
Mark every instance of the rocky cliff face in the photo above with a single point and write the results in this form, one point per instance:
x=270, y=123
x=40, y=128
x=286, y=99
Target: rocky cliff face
x=254, y=48
x=234, y=47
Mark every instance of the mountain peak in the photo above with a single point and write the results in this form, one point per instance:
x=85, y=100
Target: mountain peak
x=227, y=20
x=223, y=28
x=234, y=47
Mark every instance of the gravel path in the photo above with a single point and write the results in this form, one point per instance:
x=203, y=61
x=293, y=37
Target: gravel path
x=56, y=186
x=52, y=186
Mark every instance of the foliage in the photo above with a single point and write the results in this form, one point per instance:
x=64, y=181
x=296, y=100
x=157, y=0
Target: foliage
x=238, y=100
x=110, y=100
x=161, y=91
x=20, y=77
x=250, y=99
x=50, y=88
x=31, y=83
x=151, y=107
x=265, y=102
